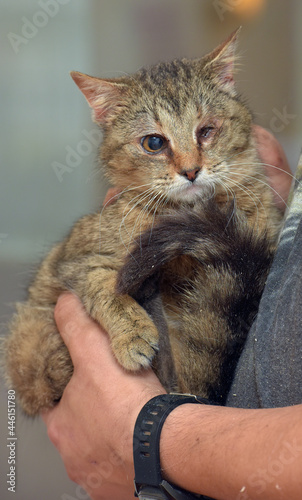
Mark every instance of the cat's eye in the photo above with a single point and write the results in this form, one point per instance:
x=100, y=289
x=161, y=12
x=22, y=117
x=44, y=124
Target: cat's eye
x=205, y=133
x=153, y=143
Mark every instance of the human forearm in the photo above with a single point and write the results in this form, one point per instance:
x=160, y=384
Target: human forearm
x=234, y=454
x=216, y=451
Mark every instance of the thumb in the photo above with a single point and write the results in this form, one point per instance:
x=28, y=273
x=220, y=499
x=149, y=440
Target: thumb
x=82, y=336
x=111, y=196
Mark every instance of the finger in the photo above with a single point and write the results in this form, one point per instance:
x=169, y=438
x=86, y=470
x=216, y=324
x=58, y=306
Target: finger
x=50, y=419
x=46, y=416
x=270, y=150
x=83, y=336
x=89, y=345
x=111, y=196
x=275, y=164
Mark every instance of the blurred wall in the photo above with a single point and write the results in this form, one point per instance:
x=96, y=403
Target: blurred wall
x=48, y=153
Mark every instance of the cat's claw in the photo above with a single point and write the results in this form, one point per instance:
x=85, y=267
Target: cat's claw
x=138, y=354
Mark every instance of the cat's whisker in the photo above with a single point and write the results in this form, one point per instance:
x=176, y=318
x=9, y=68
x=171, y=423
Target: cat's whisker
x=249, y=193
x=233, y=171
x=281, y=170
x=138, y=199
x=267, y=183
x=162, y=197
x=247, y=190
x=123, y=226
x=172, y=225
x=117, y=195
x=128, y=188
x=134, y=201
x=143, y=214
x=162, y=200
x=228, y=189
x=226, y=159
x=213, y=188
x=293, y=178
x=232, y=214
x=95, y=172
x=125, y=190
x=263, y=164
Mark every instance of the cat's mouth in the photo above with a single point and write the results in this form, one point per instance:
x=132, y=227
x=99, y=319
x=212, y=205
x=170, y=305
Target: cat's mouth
x=187, y=191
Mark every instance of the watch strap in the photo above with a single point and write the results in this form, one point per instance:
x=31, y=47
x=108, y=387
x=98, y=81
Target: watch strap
x=146, y=439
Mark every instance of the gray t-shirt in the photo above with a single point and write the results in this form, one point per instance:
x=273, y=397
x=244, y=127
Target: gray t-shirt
x=269, y=371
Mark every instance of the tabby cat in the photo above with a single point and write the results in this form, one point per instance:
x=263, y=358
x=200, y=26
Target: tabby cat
x=174, y=268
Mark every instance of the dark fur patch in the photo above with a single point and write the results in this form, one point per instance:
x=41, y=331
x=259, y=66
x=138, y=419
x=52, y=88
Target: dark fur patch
x=212, y=235
x=223, y=244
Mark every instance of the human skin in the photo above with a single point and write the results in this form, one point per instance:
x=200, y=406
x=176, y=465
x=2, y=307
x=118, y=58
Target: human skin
x=225, y=453
x=221, y=452
x=275, y=164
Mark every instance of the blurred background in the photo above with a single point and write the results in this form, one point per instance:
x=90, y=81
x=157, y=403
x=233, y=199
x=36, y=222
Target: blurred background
x=49, y=171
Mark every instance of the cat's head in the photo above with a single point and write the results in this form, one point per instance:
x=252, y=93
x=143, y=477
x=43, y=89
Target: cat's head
x=174, y=128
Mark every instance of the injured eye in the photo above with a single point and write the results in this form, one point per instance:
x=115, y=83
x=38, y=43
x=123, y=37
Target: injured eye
x=204, y=134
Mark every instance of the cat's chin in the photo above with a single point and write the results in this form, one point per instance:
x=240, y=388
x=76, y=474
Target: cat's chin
x=191, y=193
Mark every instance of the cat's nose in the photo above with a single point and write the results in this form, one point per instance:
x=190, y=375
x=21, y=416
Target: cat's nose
x=191, y=174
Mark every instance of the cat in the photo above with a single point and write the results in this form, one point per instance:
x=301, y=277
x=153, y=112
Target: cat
x=178, y=143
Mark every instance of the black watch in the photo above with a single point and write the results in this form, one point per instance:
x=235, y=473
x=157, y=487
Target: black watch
x=148, y=482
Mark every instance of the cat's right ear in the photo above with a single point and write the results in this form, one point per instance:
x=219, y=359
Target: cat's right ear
x=105, y=97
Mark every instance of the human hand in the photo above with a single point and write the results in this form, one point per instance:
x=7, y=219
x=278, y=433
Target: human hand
x=92, y=426
x=111, y=196
x=275, y=164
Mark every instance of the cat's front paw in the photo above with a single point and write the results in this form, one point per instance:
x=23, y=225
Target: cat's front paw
x=137, y=348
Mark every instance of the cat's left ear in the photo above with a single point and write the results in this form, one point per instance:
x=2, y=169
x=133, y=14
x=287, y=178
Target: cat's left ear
x=221, y=61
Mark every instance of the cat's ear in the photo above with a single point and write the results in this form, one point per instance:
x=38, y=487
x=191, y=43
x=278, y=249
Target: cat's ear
x=221, y=61
x=105, y=97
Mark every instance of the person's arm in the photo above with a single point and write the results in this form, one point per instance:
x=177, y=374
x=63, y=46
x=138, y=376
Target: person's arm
x=92, y=425
x=225, y=453
x=234, y=454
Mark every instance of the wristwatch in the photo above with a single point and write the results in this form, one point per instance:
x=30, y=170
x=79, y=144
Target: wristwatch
x=148, y=482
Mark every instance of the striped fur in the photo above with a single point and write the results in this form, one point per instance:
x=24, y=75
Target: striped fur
x=210, y=260
x=230, y=262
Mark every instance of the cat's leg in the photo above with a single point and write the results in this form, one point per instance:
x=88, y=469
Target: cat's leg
x=198, y=360
x=204, y=345
x=38, y=365
x=134, y=337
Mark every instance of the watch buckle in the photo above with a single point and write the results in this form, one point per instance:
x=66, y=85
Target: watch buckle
x=150, y=493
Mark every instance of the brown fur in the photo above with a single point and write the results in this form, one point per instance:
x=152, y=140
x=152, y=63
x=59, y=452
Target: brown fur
x=176, y=101
x=204, y=286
